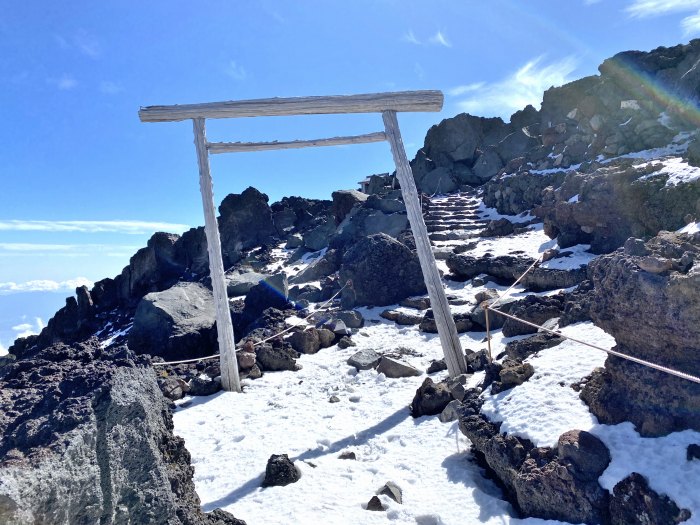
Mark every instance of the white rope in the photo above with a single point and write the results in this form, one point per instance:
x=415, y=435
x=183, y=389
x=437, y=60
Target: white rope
x=649, y=364
x=507, y=292
x=197, y=359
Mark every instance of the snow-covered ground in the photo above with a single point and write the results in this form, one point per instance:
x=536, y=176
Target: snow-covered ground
x=231, y=436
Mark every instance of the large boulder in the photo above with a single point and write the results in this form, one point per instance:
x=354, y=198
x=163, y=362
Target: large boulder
x=245, y=221
x=71, y=420
x=343, y=202
x=177, y=323
x=653, y=316
x=272, y=292
x=383, y=270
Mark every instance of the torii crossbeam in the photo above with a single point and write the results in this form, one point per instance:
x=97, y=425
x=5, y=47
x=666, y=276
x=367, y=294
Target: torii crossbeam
x=388, y=104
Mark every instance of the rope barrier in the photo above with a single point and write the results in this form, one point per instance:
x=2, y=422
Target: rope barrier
x=637, y=360
x=257, y=343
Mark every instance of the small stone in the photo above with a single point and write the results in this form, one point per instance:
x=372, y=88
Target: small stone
x=346, y=342
x=391, y=490
x=437, y=366
x=280, y=471
x=451, y=412
x=348, y=454
x=395, y=369
x=364, y=359
x=375, y=504
x=430, y=399
x=334, y=399
x=693, y=452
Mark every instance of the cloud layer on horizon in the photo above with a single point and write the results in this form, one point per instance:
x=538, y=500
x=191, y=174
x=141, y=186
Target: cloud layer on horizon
x=117, y=226
x=44, y=285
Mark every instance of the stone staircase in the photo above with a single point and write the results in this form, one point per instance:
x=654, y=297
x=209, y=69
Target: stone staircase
x=453, y=217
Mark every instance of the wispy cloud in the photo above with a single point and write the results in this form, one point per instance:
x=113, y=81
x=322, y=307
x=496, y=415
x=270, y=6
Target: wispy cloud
x=419, y=71
x=236, y=71
x=65, y=82
x=642, y=8
x=650, y=8
x=410, y=38
x=43, y=285
x=468, y=88
x=110, y=88
x=82, y=41
x=3, y=350
x=128, y=227
x=87, y=44
x=525, y=86
x=440, y=39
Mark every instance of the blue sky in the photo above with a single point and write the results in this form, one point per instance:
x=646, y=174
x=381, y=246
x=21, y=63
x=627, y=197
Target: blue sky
x=84, y=183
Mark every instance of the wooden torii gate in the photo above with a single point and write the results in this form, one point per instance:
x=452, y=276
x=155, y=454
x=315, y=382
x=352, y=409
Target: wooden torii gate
x=385, y=103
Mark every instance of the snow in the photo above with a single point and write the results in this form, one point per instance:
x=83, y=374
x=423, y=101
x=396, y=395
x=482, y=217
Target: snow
x=573, y=199
x=491, y=214
x=690, y=228
x=546, y=406
x=231, y=435
x=677, y=169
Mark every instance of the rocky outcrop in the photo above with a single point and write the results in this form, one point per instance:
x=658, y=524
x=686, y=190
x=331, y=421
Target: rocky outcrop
x=560, y=484
x=71, y=419
x=178, y=323
x=245, y=222
x=614, y=202
x=652, y=313
x=383, y=270
x=508, y=268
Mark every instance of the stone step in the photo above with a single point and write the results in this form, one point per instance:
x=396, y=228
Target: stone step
x=451, y=236
x=453, y=227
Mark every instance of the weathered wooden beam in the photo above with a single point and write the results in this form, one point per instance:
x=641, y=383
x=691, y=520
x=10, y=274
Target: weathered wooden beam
x=268, y=107
x=227, y=348
x=237, y=147
x=451, y=347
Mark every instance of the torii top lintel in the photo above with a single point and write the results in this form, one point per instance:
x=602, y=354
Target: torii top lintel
x=404, y=101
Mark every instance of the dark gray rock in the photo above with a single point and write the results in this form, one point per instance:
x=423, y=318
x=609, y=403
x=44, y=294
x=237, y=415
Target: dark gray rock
x=403, y=318
x=633, y=501
x=391, y=490
x=178, y=323
x=272, y=292
x=375, y=504
x=477, y=361
x=512, y=374
x=200, y=386
x=72, y=413
x=245, y=222
x=395, y=369
x=238, y=284
x=383, y=271
x=306, y=341
x=450, y=412
x=322, y=267
x=652, y=317
x=318, y=238
x=523, y=348
x=271, y=359
x=437, y=366
x=280, y=471
x=351, y=318
x=430, y=399
x=535, y=310
x=588, y=454
x=693, y=452
x=364, y=359
x=343, y=202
